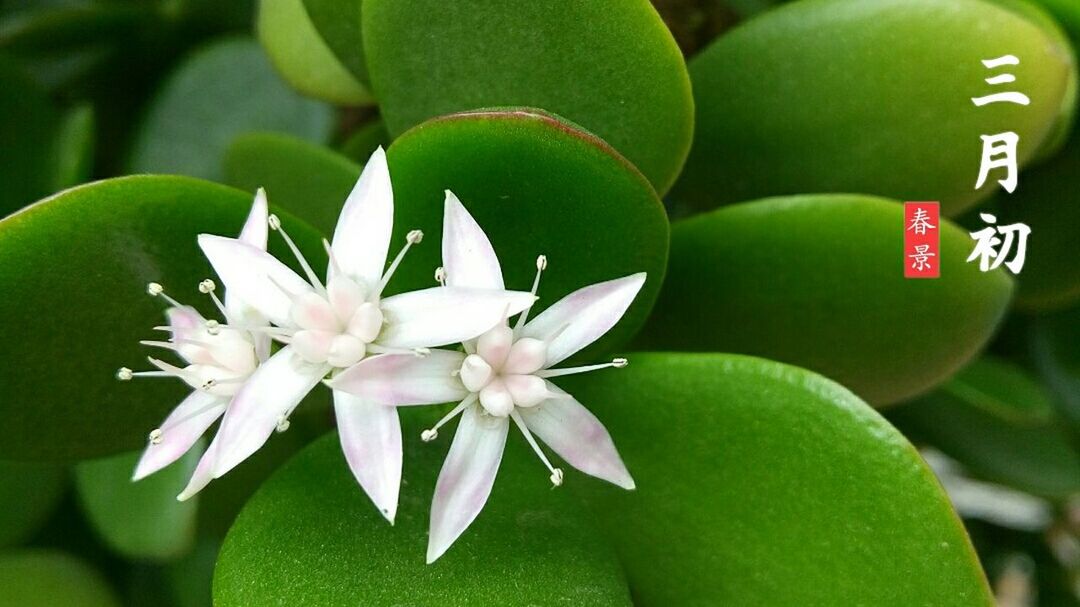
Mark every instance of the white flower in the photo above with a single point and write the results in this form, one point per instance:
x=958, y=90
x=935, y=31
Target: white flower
x=218, y=361
x=503, y=375
x=330, y=328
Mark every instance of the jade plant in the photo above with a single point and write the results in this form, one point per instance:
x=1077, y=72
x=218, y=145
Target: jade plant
x=342, y=302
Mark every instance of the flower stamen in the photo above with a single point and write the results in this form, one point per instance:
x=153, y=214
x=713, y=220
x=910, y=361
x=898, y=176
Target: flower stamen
x=617, y=363
x=541, y=265
x=440, y=276
x=155, y=289
x=275, y=224
x=556, y=473
x=413, y=237
x=433, y=433
x=125, y=374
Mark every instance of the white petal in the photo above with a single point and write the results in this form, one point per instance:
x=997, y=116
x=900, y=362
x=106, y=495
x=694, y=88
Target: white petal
x=362, y=236
x=495, y=398
x=181, y=429
x=255, y=228
x=254, y=276
x=275, y=388
x=204, y=472
x=494, y=345
x=578, y=437
x=404, y=379
x=468, y=256
x=446, y=315
x=185, y=323
x=466, y=478
x=371, y=440
x=583, y=316
x=526, y=390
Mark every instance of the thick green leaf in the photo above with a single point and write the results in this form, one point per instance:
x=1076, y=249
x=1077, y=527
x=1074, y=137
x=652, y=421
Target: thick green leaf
x=764, y=484
x=777, y=112
x=818, y=281
x=140, y=520
x=1067, y=12
x=309, y=180
x=45, y=578
x=1048, y=201
x=1055, y=344
x=222, y=90
x=537, y=185
x=302, y=57
x=361, y=143
x=27, y=127
x=982, y=419
x=74, y=269
x=74, y=155
x=311, y=537
x=28, y=495
x=338, y=22
x=610, y=66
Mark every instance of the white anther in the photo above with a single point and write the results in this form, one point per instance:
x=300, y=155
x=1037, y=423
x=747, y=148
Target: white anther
x=619, y=363
x=274, y=222
x=207, y=286
x=210, y=383
x=421, y=352
x=541, y=263
x=414, y=236
x=283, y=424
x=155, y=436
x=429, y=435
x=556, y=477
x=154, y=289
x=125, y=374
x=213, y=327
x=440, y=275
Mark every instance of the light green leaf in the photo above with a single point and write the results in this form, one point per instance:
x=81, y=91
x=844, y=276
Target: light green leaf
x=310, y=536
x=74, y=269
x=610, y=66
x=835, y=301
x=45, y=578
x=536, y=185
x=764, y=484
x=140, y=520
x=222, y=90
x=999, y=424
x=29, y=493
x=338, y=22
x=306, y=179
x=778, y=113
x=302, y=57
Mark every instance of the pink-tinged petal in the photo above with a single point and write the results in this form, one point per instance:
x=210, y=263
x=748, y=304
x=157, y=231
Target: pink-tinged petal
x=371, y=439
x=185, y=323
x=275, y=388
x=494, y=344
x=362, y=236
x=404, y=379
x=578, y=437
x=445, y=315
x=466, y=478
x=181, y=429
x=583, y=316
x=254, y=277
x=468, y=257
x=257, y=225
x=204, y=472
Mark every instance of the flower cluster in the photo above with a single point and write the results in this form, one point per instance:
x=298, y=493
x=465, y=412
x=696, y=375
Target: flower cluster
x=377, y=353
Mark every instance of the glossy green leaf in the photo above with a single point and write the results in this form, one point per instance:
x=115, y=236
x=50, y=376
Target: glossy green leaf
x=764, y=484
x=338, y=22
x=140, y=520
x=27, y=120
x=1048, y=201
x=778, y=111
x=311, y=537
x=610, y=66
x=74, y=269
x=536, y=185
x=302, y=57
x=974, y=419
x=29, y=493
x=818, y=281
x=46, y=578
x=222, y=90
x=1067, y=13
x=310, y=181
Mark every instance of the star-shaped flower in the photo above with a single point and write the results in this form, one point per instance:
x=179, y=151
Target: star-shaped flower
x=218, y=361
x=501, y=376
x=332, y=327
